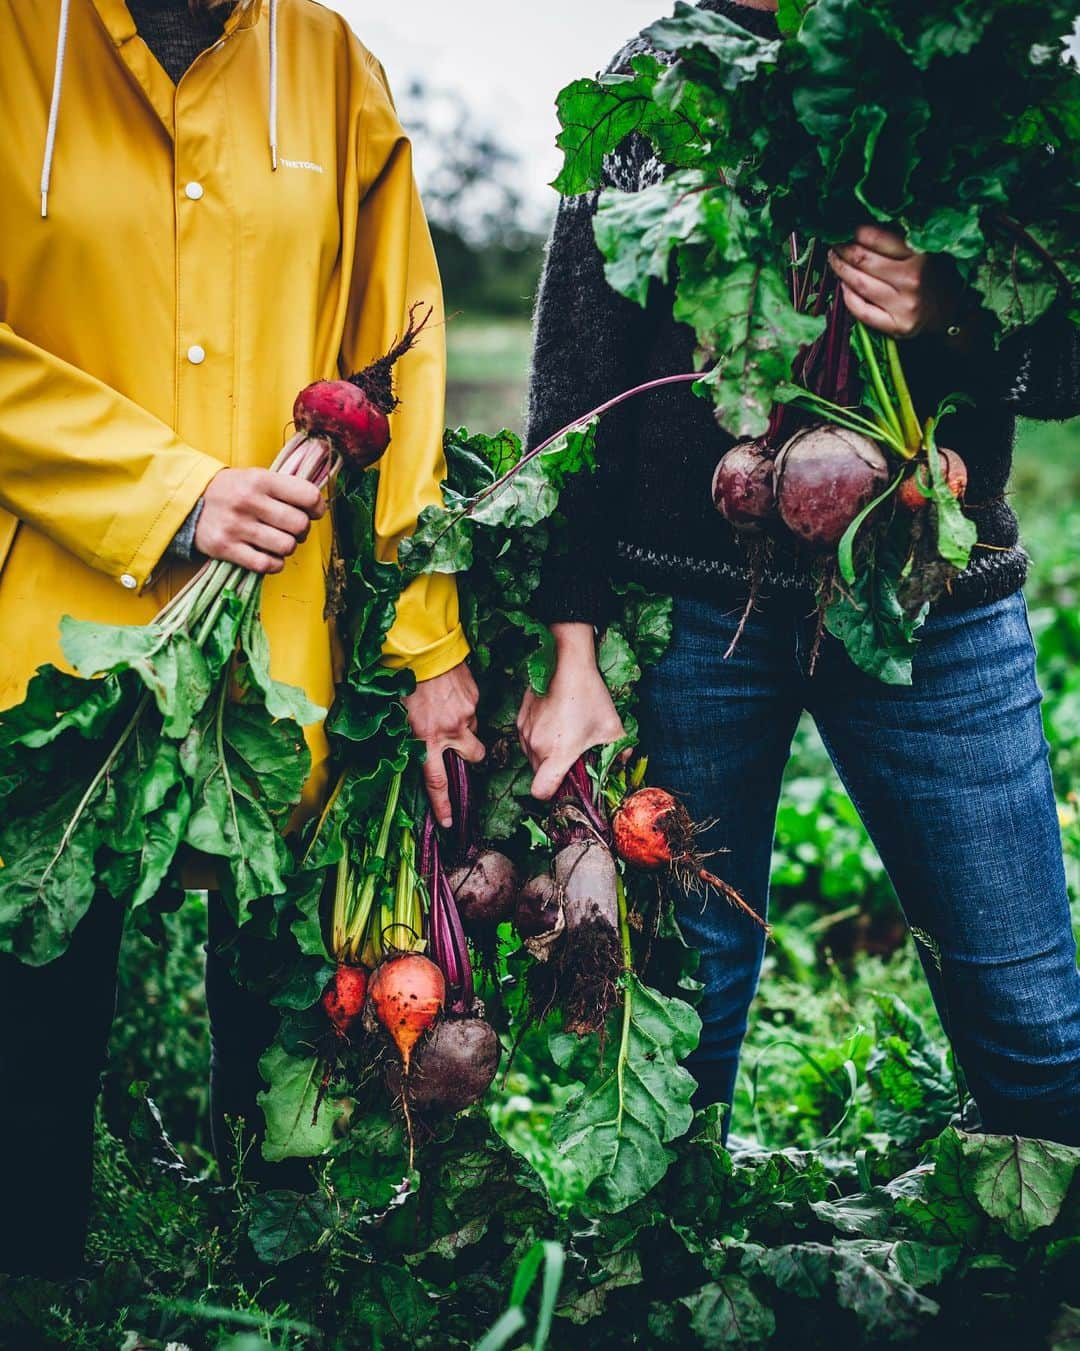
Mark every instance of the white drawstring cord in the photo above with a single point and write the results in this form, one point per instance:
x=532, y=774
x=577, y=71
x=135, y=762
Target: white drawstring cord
x=58, y=85
x=273, y=83
x=54, y=106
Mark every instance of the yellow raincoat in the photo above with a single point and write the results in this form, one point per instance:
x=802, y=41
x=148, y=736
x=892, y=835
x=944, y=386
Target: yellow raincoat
x=158, y=322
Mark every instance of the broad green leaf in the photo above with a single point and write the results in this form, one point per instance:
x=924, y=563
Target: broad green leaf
x=730, y=53
x=955, y=230
x=727, y=1313
x=744, y=319
x=540, y=664
x=144, y=817
x=502, y=808
x=955, y=533
x=617, y=662
x=884, y=1304
x=305, y=982
x=383, y=1294
x=298, y=1125
x=841, y=40
x=1022, y=1184
x=48, y=878
x=870, y=621
x=646, y=621
x=620, y=1270
x=171, y=667
x=306, y=890
x=57, y=703
x=615, y=1129
x=284, y=1224
x=1015, y=284
x=273, y=755
x=866, y=1214
x=921, y=1264
x=912, y=1086
x=480, y=1189
x=235, y=818
x=637, y=232
x=598, y=115
x=802, y=1269
x=939, y=1202
x=370, y=1169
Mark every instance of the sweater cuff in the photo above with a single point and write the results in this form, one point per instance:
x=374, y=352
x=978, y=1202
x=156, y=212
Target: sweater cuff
x=565, y=597
x=182, y=546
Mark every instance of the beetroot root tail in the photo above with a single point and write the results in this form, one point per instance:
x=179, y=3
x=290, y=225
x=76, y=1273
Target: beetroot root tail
x=731, y=895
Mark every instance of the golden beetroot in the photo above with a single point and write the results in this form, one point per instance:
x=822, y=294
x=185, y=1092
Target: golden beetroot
x=952, y=468
x=653, y=830
x=406, y=994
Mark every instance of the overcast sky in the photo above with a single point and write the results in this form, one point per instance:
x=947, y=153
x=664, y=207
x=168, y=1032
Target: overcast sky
x=508, y=57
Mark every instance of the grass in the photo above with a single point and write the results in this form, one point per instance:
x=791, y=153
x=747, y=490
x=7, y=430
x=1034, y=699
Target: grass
x=488, y=363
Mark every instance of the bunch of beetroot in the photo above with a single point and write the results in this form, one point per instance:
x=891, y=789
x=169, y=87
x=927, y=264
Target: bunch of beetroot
x=572, y=915
x=404, y=978
x=842, y=446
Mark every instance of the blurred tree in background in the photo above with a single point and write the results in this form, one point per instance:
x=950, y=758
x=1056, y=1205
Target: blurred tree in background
x=489, y=250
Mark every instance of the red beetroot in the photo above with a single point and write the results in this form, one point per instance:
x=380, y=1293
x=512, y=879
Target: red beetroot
x=353, y=414
x=743, y=487
x=951, y=466
x=653, y=830
x=346, y=416
x=485, y=889
x=406, y=994
x=825, y=475
x=343, y=998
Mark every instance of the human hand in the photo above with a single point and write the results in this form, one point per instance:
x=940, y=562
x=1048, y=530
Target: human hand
x=442, y=714
x=256, y=517
x=891, y=288
x=576, y=714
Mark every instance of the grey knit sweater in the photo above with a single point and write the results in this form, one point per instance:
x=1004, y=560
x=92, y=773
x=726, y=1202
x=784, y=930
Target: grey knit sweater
x=646, y=515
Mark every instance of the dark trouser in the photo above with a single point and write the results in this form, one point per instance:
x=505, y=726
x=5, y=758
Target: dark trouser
x=53, y=1048
x=952, y=780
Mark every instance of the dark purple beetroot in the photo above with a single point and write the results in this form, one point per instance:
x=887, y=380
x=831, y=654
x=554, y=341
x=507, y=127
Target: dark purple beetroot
x=538, y=907
x=825, y=475
x=453, y=1067
x=743, y=488
x=485, y=889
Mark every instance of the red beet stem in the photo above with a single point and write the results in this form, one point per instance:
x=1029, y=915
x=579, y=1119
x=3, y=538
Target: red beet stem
x=578, y=791
x=449, y=949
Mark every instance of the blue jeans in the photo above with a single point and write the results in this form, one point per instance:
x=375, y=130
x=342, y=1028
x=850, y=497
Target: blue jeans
x=952, y=780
